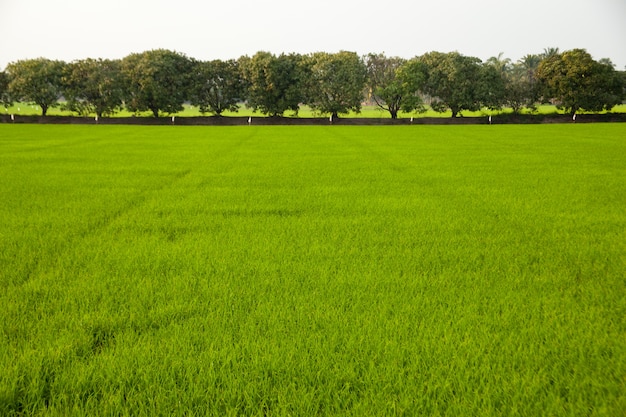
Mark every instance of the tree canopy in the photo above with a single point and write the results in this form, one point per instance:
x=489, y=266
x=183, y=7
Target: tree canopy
x=161, y=81
x=5, y=96
x=157, y=81
x=578, y=82
x=274, y=82
x=521, y=84
x=389, y=85
x=93, y=86
x=217, y=87
x=450, y=81
x=36, y=81
x=336, y=82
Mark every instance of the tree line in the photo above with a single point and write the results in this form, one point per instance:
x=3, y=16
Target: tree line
x=161, y=81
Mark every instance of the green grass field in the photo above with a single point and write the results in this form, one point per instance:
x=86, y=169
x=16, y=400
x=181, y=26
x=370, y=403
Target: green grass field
x=409, y=270
x=367, y=111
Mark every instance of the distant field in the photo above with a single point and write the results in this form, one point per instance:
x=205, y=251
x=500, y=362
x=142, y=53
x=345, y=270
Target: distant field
x=367, y=111
x=409, y=270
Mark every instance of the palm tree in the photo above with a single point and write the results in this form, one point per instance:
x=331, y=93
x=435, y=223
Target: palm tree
x=499, y=63
x=529, y=64
x=549, y=52
x=607, y=62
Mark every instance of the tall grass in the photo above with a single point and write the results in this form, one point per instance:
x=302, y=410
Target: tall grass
x=415, y=270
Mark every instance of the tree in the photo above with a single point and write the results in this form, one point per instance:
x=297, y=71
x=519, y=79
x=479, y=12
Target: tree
x=93, y=86
x=274, y=83
x=519, y=91
x=526, y=70
x=5, y=97
x=450, y=79
x=490, y=87
x=157, y=81
x=336, y=82
x=549, y=53
x=521, y=84
x=494, y=81
x=36, y=81
x=502, y=65
x=217, y=86
x=578, y=82
x=387, y=87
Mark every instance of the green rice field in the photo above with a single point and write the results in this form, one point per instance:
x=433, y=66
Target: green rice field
x=305, y=271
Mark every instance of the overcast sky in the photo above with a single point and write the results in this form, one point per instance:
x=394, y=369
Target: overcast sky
x=76, y=29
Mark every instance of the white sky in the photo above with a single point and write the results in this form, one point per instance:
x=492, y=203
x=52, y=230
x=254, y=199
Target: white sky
x=224, y=29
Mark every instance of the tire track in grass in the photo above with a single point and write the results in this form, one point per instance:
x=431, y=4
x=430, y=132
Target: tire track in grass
x=382, y=159
x=221, y=156
x=46, y=254
x=51, y=141
x=92, y=227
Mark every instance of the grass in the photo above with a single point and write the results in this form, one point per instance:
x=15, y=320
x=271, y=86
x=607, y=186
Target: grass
x=410, y=270
x=369, y=111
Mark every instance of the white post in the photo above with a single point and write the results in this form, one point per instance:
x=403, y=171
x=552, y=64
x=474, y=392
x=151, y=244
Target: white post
x=12, y=117
x=250, y=120
x=96, y=118
x=173, y=119
x=574, y=118
x=489, y=119
x=330, y=119
x=411, y=119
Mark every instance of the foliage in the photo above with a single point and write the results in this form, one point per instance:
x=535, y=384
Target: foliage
x=336, y=82
x=156, y=80
x=36, y=81
x=160, y=81
x=93, y=86
x=550, y=53
x=387, y=88
x=274, y=82
x=352, y=271
x=522, y=85
x=491, y=86
x=499, y=63
x=5, y=97
x=217, y=86
x=496, y=82
x=451, y=80
x=577, y=82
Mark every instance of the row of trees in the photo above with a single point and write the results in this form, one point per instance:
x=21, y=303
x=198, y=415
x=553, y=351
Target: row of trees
x=160, y=81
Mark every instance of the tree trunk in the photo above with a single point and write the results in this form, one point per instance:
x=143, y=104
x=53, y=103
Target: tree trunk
x=155, y=112
x=44, y=109
x=394, y=114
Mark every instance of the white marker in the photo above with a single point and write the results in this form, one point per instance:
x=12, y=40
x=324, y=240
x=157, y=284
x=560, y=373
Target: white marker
x=250, y=120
